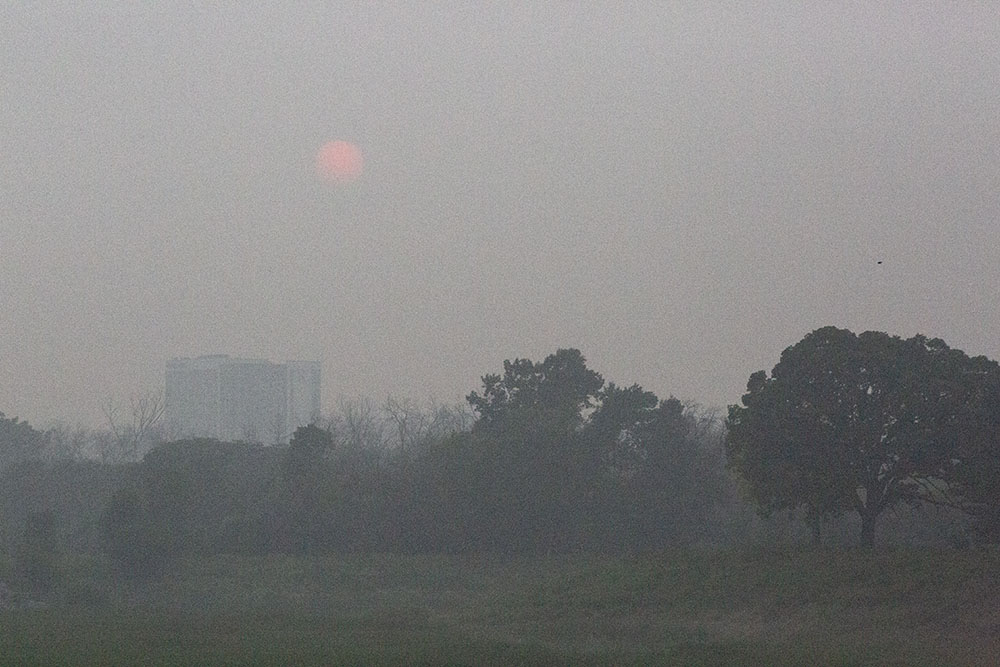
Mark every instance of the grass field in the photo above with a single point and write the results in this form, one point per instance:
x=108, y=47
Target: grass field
x=688, y=607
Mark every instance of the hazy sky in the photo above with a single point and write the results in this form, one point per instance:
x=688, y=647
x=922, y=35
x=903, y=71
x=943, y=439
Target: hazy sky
x=680, y=191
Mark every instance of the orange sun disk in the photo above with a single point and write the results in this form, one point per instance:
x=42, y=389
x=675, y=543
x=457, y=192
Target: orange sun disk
x=339, y=162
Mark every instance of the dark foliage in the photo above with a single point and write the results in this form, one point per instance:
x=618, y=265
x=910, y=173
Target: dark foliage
x=134, y=543
x=213, y=496
x=38, y=550
x=567, y=464
x=77, y=492
x=18, y=442
x=555, y=462
x=192, y=497
x=862, y=423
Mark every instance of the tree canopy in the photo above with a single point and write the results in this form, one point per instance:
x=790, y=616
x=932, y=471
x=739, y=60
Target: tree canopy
x=561, y=460
x=18, y=441
x=556, y=390
x=860, y=422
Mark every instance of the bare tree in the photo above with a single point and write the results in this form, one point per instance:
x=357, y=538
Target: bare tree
x=359, y=425
x=416, y=426
x=250, y=433
x=134, y=428
x=277, y=430
x=409, y=421
x=397, y=426
x=68, y=441
x=449, y=418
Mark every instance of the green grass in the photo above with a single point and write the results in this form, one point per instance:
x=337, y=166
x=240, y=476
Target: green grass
x=686, y=607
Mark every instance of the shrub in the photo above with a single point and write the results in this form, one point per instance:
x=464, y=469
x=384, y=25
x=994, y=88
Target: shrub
x=135, y=543
x=37, y=553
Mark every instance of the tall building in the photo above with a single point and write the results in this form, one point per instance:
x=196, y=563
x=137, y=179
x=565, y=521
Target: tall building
x=217, y=396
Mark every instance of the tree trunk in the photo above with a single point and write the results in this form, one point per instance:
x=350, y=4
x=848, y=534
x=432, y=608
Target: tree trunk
x=817, y=531
x=867, y=530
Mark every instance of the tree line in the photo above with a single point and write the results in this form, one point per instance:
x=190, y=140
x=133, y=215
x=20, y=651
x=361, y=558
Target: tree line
x=555, y=461
x=550, y=458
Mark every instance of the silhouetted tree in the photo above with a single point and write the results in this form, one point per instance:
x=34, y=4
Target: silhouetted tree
x=188, y=497
x=64, y=441
x=38, y=550
x=307, y=492
x=132, y=537
x=529, y=488
x=359, y=425
x=76, y=492
x=974, y=481
x=211, y=496
x=554, y=392
x=18, y=441
x=663, y=468
x=135, y=428
x=856, y=422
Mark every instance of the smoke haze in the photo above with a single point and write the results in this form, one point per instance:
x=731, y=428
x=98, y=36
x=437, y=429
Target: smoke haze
x=680, y=193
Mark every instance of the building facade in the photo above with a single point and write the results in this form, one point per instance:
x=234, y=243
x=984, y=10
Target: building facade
x=254, y=400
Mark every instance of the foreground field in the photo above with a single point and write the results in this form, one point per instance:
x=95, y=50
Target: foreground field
x=808, y=607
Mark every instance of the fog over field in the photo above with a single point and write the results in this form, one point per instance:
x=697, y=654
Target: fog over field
x=680, y=192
